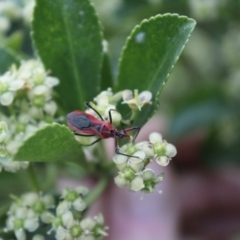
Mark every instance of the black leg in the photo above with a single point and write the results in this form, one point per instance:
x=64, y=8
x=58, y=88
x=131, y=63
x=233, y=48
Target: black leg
x=83, y=135
x=131, y=129
x=110, y=115
x=79, y=134
x=117, y=152
x=88, y=105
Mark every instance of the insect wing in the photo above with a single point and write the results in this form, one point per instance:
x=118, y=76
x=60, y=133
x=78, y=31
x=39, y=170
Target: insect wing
x=83, y=123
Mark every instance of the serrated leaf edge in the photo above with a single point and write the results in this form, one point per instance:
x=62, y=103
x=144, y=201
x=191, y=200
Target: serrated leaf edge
x=135, y=29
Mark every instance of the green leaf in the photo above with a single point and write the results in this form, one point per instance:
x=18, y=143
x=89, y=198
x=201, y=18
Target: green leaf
x=68, y=38
x=150, y=54
x=7, y=58
x=106, y=74
x=54, y=142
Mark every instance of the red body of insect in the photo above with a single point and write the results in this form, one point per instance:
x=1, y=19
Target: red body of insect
x=84, y=124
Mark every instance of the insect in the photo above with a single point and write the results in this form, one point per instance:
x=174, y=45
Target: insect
x=86, y=125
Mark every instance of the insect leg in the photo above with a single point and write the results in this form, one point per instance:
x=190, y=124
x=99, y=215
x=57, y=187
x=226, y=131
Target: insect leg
x=131, y=129
x=79, y=134
x=83, y=135
x=88, y=105
x=117, y=150
x=110, y=115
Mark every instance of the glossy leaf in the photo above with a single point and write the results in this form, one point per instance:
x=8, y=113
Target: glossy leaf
x=150, y=54
x=106, y=74
x=54, y=142
x=68, y=39
x=7, y=58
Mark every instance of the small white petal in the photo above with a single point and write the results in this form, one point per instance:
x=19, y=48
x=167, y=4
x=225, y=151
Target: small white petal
x=171, y=150
x=67, y=219
x=13, y=146
x=99, y=219
x=155, y=137
x=6, y=98
x=50, y=108
x=87, y=224
x=79, y=204
x=136, y=164
x=3, y=136
x=30, y=198
x=46, y=217
x=146, y=147
x=16, y=84
x=11, y=166
x=140, y=154
x=120, y=161
x=162, y=160
x=38, y=237
x=62, y=207
x=120, y=181
x=31, y=224
x=20, y=234
x=147, y=174
x=62, y=234
x=82, y=190
x=137, y=184
x=51, y=81
x=48, y=200
x=40, y=90
x=145, y=96
x=127, y=95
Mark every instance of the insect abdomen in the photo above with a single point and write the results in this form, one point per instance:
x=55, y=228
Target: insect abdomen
x=79, y=121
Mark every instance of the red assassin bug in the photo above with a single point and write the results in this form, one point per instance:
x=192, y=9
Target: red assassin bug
x=84, y=124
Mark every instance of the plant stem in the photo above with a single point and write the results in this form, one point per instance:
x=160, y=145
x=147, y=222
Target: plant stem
x=33, y=179
x=97, y=191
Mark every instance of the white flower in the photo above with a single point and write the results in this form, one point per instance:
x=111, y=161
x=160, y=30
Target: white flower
x=8, y=86
x=163, y=151
x=137, y=184
x=39, y=204
x=137, y=101
x=21, y=219
x=73, y=198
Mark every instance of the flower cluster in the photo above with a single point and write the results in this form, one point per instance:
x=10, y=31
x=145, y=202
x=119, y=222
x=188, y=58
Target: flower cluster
x=30, y=210
x=26, y=213
x=26, y=94
x=106, y=101
x=14, y=10
x=133, y=171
